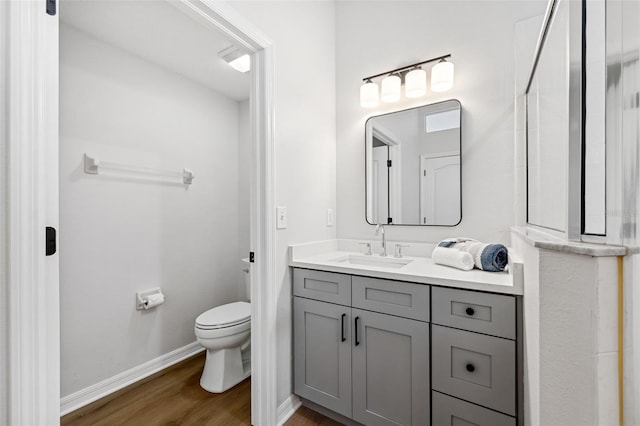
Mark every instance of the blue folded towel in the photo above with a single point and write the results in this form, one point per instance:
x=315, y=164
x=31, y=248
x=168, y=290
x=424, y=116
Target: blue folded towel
x=488, y=257
x=494, y=258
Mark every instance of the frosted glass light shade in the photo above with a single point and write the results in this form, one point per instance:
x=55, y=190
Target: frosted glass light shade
x=415, y=83
x=391, y=89
x=369, y=95
x=442, y=77
x=241, y=63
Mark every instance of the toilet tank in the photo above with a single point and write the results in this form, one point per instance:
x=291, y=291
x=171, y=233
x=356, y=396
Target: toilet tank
x=247, y=277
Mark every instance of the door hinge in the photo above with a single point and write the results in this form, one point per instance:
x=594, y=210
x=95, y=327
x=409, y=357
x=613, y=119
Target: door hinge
x=388, y=163
x=252, y=257
x=389, y=220
x=50, y=241
x=51, y=7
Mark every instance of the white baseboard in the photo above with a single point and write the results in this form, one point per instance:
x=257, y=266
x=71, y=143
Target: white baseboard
x=106, y=387
x=287, y=408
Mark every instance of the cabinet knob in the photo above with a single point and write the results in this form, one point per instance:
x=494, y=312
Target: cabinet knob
x=470, y=311
x=470, y=368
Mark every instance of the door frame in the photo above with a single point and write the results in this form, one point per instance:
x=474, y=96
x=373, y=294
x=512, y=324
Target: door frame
x=31, y=362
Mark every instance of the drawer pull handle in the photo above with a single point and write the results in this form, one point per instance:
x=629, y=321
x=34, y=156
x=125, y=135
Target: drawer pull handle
x=470, y=311
x=470, y=368
x=342, y=338
x=356, y=330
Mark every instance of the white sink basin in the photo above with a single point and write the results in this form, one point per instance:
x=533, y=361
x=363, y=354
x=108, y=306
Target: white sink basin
x=383, y=262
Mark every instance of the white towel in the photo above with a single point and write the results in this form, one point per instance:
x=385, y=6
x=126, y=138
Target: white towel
x=454, y=258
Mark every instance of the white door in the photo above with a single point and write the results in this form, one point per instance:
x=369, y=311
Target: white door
x=380, y=185
x=440, y=190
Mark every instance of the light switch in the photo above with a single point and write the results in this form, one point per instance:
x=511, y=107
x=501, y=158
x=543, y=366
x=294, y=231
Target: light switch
x=281, y=217
x=330, y=217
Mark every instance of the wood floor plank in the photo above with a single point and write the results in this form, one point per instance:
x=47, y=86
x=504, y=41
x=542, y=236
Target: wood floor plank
x=174, y=397
x=307, y=417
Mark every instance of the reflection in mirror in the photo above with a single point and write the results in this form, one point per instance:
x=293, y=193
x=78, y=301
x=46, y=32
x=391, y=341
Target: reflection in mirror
x=413, y=166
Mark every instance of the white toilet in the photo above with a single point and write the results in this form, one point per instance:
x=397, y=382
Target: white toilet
x=225, y=331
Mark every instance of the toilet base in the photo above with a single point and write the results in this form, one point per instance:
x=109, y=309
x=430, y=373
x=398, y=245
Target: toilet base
x=224, y=369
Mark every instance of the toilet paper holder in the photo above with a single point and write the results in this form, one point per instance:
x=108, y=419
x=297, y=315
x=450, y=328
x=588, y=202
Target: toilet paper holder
x=149, y=299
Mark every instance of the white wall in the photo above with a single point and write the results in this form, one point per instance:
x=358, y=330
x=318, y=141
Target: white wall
x=244, y=182
x=119, y=235
x=570, y=339
x=303, y=34
x=372, y=37
x=4, y=25
x=531, y=329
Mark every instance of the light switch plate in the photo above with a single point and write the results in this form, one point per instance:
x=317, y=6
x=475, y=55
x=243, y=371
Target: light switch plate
x=281, y=217
x=330, y=217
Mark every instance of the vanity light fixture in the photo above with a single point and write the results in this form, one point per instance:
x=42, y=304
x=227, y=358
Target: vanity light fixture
x=415, y=83
x=442, y=76
x=414, y=79
x=236, y=58
x=368, y=94
x=390, y=91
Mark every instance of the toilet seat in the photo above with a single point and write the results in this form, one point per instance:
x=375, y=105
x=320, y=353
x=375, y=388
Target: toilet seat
x=224, y=316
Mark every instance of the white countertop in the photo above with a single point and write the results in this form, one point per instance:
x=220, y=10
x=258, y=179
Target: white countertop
x=326, y=256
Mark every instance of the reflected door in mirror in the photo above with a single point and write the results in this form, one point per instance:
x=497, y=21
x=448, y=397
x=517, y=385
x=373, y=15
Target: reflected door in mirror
x=413, y=166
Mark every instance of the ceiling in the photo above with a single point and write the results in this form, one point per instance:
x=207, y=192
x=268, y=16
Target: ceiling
x=160, y=33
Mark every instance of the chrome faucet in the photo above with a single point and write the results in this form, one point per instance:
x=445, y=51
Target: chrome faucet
x=380, y=231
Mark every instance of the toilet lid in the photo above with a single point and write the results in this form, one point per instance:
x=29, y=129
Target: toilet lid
x=225, y=315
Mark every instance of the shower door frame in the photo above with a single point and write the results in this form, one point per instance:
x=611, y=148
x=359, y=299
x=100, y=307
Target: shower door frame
x=30, y=307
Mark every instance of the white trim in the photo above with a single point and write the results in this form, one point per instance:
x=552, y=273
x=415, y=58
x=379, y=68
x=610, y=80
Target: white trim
x=4, y=247
x=121, y=380
x=33, y=307
x=287, y=408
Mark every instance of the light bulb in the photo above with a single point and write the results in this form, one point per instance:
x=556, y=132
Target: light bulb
x=390, y=88
x=369, y=94
x=241, y=63
x=415, y=83
x=442, y=76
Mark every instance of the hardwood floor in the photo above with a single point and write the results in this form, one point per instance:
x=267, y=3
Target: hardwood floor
x=307, y=417
x=174, y=397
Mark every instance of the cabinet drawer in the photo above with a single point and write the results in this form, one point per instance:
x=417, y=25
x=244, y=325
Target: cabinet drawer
x=475, y=367
x=391, y=297
x=320, y=285
x=448, y=411
x=471, y=310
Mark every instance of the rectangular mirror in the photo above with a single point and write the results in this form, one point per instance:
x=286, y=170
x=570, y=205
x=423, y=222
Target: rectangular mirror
x=412, y=160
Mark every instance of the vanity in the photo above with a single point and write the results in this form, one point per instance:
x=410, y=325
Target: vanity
x=416, y=344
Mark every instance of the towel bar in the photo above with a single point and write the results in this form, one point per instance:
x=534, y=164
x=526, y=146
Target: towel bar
x=93, y=167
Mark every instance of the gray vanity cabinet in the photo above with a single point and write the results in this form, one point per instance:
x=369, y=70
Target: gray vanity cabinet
x=369, y=366
x=364, y=348
x=390, y=364
x=322, y=353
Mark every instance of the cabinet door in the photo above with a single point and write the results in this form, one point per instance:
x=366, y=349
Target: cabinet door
x=390, y=370
x=322, y=353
